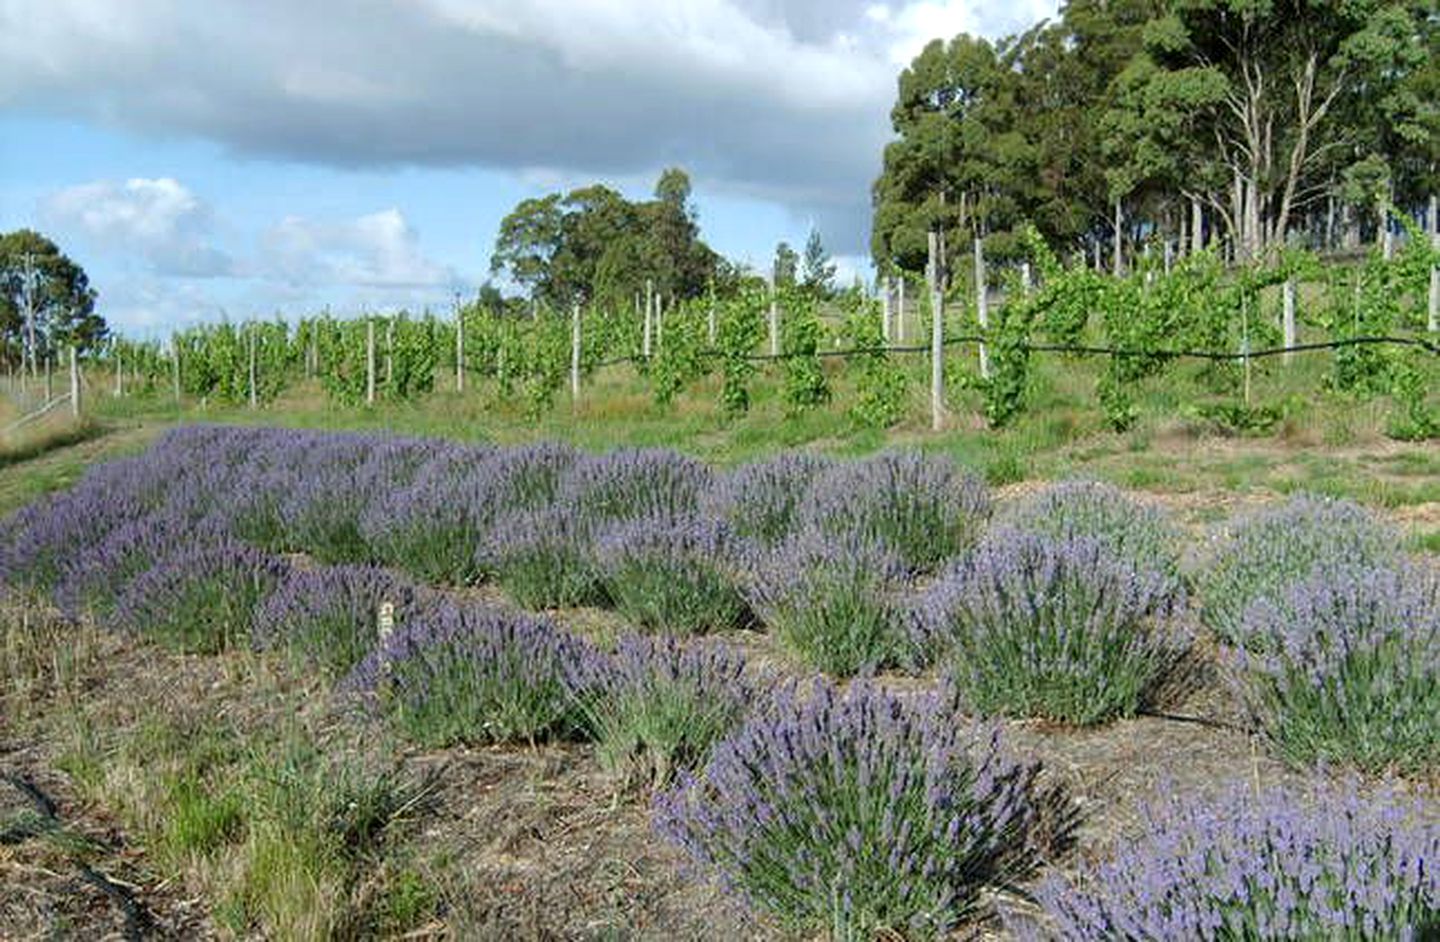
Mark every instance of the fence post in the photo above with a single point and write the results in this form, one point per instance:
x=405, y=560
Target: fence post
x=49, y=377
x=774, y=319
x=982, y=305
x=1287, y=319
x=885, y=310
x=900, y=312
x=659, y=323
x=937, y=335
x=575, y=351
x=711, y=326
x=649, y=306
x=175, y=364
x=369, y=361
x=459, y=349
x=254, y=393
x=1433, y=322
x=1026, y=279
x=74, y=383
x=119, y=368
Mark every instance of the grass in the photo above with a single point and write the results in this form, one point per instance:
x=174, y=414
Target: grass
x=279, y=823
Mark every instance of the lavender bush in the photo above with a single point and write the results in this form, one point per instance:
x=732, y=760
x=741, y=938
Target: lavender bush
x=543, y=558
x=96, y=575
x=1350, y=669
x=200, y=601
x=925, y=508
x=328, y=616
x=832, y=601
x=655, y=707
x=322, y=512
x=1262, y=555
x=635, y=482
x=858, y=814
x=1334, y=865
x=529, y=477
x=761, y=500
x=476, y=674
x=1033, y=626
x=433, y=526
x=1128, y=529
x=673, y=574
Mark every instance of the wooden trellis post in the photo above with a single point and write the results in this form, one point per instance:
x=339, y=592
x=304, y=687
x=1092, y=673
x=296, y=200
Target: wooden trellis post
x=937, y=334
x=369, y=362
x=74, y=383
x=1287, y=318
x=982, y=306
x=575, y=351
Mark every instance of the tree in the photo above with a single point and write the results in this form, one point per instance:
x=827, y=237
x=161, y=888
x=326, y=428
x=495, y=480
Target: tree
x=817, y=272
x=1276, y=73
x=58, y=292
x=785, y=270
x=592, y=244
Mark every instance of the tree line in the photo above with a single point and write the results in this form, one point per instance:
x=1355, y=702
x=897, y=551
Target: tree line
x=1249, y=124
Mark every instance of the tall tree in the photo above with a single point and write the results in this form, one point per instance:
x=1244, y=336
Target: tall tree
x=35, y=275
x=785, y=270
x=817, y=272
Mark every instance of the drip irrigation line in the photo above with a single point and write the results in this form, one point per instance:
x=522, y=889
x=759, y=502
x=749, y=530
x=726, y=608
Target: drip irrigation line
x=1168, y=353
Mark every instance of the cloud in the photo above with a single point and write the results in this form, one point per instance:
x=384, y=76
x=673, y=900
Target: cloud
x=783, y=100
x=376, y=251
x=159, y=220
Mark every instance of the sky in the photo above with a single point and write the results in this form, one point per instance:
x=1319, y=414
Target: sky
x=241, y=158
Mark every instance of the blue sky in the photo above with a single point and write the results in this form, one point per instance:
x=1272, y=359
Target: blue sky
x=245, y=157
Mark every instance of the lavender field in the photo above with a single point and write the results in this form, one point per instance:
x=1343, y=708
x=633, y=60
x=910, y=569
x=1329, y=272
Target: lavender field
x=803, y=697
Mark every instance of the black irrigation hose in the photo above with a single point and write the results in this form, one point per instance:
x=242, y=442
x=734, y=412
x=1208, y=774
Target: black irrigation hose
x=1082, y=349
x=137, y=919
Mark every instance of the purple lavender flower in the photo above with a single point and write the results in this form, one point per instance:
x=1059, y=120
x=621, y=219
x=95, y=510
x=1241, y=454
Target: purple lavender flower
x=542, y=558
x=893, y=807
x=925, y=508
x=97, y=574
x=1333, y=864
x=1346, y=667
x=761, y=500
x=1260, y=556
x=1033, y=626
x=673, y=574
x=832, y=600
x=199, y=601
x=475, y=674
x=330, y=615
x=635, y=482
x=1133, y=531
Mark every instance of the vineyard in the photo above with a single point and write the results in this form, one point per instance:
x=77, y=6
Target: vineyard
x=1374, y=321
x=854, y=697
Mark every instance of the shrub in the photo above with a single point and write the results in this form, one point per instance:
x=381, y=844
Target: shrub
x=1333, y=865
x=475, y=675
x=542, y=558
x=1351, y=667
x=761, y=500
x=857, y=814
x=1131, y=530
x=94, y=578
x=433, y=526
x=655, y=707
x=1033, y=626
x=672, y=574
x=528, y=477
x=831, y=601
x=924, y=508
x=201, y=601
x=635, y=482
x=329, y=616
x=1262, y=555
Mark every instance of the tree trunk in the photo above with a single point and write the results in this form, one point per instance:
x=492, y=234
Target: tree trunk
x=1197, y=226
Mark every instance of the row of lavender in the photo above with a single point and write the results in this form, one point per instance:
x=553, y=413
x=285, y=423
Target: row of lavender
x=857, y=811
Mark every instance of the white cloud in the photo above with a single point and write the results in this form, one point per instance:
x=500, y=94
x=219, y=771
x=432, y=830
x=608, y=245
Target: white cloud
x=380, y=250
x=783, y=100
x=160, y=220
